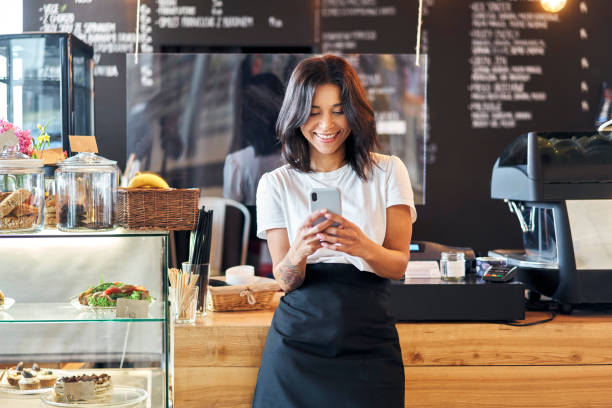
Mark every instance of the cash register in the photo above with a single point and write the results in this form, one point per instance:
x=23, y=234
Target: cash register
x=558, y=185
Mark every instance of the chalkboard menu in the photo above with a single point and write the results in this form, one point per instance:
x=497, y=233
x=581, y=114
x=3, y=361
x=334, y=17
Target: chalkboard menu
x=110, y=27
x=497, y=69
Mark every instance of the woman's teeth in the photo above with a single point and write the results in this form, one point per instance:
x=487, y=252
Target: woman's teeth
x=326, y=136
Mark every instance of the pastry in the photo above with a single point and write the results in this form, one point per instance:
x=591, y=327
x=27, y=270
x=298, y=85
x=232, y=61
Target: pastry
x=1, y=298
x=10, y=222
x=47, y=379
x=29, y=381
x=50, y=216
x=24, y=209
x=102, y=386
x=14, y=374
x=12, y=201
x=13, y=378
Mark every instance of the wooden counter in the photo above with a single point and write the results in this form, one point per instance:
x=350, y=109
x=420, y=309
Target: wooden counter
x=563, y=363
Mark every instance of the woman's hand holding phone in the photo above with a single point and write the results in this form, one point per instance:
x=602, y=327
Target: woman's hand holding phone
x=346, y=237
x=306, y=241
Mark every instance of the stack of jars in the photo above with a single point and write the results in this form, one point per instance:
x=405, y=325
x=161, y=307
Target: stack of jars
x=81, y=196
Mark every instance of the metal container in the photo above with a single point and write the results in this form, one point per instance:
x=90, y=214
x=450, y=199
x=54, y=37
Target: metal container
x=21, y=192
x=85, y=193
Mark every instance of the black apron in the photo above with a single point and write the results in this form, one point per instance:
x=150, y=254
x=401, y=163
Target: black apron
x=332, y=343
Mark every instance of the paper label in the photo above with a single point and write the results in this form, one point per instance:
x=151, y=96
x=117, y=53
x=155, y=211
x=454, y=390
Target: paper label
x=422, y=269
x=8, y=138
x=132, y=309
x=51, y=156
x=455, y=269
x=79, y=391
x=83, y=144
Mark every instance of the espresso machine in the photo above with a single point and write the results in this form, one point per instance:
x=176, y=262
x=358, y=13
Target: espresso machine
x=559, y=187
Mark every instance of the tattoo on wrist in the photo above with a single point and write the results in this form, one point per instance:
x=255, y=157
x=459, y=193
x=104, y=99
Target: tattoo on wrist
x=291, y=276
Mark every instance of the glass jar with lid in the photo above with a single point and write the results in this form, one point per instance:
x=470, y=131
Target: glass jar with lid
x=21, y=192
x=85, y=193
x=452, y=266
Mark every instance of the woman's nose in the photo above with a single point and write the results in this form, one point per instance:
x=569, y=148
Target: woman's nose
x=326, y=122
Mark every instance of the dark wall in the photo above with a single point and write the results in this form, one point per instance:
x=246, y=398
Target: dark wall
x=468, y=126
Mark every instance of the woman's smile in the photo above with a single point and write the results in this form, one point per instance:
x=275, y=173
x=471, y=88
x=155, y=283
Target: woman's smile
x=326, y=137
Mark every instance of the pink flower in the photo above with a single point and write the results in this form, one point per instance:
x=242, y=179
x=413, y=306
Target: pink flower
x=23, y=137
x=5, y=125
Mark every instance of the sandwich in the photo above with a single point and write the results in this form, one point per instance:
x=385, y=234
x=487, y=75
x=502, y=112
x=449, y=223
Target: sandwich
x=107, y=293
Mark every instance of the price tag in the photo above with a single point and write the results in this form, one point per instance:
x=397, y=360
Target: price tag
x=8, y=138
x=132, y=309
x=83, y=144
x=79, y=391
x=51, y=156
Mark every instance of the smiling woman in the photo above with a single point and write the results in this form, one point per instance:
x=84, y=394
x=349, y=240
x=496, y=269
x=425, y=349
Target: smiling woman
x=333, y=341
x=325, y=95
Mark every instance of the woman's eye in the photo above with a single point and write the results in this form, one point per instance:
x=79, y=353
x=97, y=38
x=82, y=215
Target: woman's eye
x=314, y=113
x=339, y=113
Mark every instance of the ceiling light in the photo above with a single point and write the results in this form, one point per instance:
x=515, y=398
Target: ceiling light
x=553, y=6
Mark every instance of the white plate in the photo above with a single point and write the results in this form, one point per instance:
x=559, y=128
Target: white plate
x=120, y=397
x=9, y=389
x=86, y=308
x=8, y=302
x=97, y=309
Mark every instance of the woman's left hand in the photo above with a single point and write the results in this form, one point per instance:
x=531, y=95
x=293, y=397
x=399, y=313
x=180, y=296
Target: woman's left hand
x=346, y=237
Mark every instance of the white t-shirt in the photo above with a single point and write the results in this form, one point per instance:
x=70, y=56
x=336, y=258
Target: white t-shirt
x=282, y=202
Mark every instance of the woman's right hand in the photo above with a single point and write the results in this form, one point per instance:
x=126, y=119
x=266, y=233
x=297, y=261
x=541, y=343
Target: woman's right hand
x=306, y=241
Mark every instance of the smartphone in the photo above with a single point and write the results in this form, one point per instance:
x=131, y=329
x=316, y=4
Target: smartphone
x=328, y=198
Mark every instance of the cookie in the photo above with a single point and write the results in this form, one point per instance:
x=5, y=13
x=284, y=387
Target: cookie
x=12, y=201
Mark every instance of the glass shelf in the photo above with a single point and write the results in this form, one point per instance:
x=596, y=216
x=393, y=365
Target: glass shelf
x=44, y=271
x=55, y=233
x=65, y=312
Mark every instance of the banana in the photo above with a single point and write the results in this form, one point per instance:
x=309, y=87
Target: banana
x=148, y=180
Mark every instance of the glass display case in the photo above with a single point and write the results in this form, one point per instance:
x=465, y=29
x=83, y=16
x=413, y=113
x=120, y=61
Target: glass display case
x=47, y=78
x=50, y=322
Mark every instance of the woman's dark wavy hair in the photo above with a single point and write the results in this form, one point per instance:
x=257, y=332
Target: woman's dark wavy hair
x=307, y=75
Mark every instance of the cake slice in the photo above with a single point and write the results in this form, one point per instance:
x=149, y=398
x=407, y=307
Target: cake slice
x=102, y=387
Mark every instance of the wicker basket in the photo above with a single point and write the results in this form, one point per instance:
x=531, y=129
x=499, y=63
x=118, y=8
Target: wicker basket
x=173, y=209
x=256, y=295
